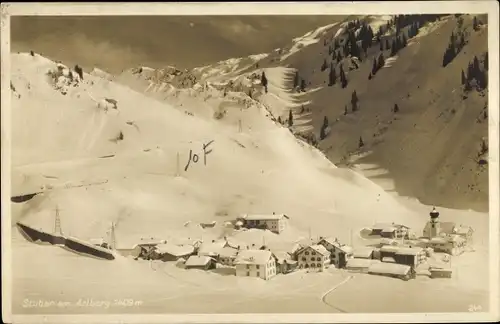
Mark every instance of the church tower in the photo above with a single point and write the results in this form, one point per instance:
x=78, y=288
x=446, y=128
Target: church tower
x=435, y=228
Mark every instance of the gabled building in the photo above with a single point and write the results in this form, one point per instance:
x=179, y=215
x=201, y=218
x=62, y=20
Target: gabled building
x=313, y=257
x=339, y=253
x=410, y=256
x=172, y=252
x=275, y=222
x=284, y=262
x=390, y=230
x=255, y=263
x=451, y=244
x=227, y=256
x=200, y=262
x=211, y=248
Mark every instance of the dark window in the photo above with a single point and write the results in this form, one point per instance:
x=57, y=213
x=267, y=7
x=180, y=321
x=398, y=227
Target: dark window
x=258, y=267
x=313, y=253
x=319, y=265
x=307, y=253
x=258, y=274
x=304, y=259
x=312, y=265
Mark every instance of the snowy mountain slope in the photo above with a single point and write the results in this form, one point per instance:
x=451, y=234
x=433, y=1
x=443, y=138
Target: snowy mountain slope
x=429, y=97
x=264, y=164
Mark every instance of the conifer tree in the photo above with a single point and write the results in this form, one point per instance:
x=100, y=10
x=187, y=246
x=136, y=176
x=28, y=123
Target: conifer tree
x=290, y=119
x=354, y=101
x=396, y=108
x=464, y=79
x=361, y=143
x=343, y=79
x=263, y=80
x=332, y=76
x=303, y=85
x=345, y=110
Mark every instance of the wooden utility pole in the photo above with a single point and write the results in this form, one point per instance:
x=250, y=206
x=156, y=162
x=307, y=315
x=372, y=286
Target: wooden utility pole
x=240, y=128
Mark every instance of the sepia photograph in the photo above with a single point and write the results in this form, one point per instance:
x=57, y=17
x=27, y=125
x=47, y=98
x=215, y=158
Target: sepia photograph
x=256, y=160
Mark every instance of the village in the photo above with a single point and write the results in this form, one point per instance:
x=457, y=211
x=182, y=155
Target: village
x=395, y=250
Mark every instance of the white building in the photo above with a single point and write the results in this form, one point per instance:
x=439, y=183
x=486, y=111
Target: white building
x=255, y=263
x=314, y=257
x=275, y=222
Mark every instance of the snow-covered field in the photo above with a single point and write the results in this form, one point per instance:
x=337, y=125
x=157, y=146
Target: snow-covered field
x=147, y=184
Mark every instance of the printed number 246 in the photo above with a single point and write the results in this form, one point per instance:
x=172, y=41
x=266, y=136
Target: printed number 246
x=475, y=308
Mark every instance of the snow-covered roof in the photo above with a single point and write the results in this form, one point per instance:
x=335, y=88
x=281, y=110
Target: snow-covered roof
x=389, y=230
x=389, y=268
x=381, y=226
x=365, y=252
x=264, y=217
x=211, y=247
x=389, y=248
x=334, y=242
x=150, y=241
x=360, y=263
x=175, y=250
x=388, y=259
x=259, y=257
x=281, y=256
x=409, y=251
x=198, y=260
x=388, y=241
x=438, y=240
x=316, y=247
x=228, y=252
x=434, y=269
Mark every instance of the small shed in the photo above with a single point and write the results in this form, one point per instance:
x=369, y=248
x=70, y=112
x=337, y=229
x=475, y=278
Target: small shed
x=200, y=262
x=440, y=272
